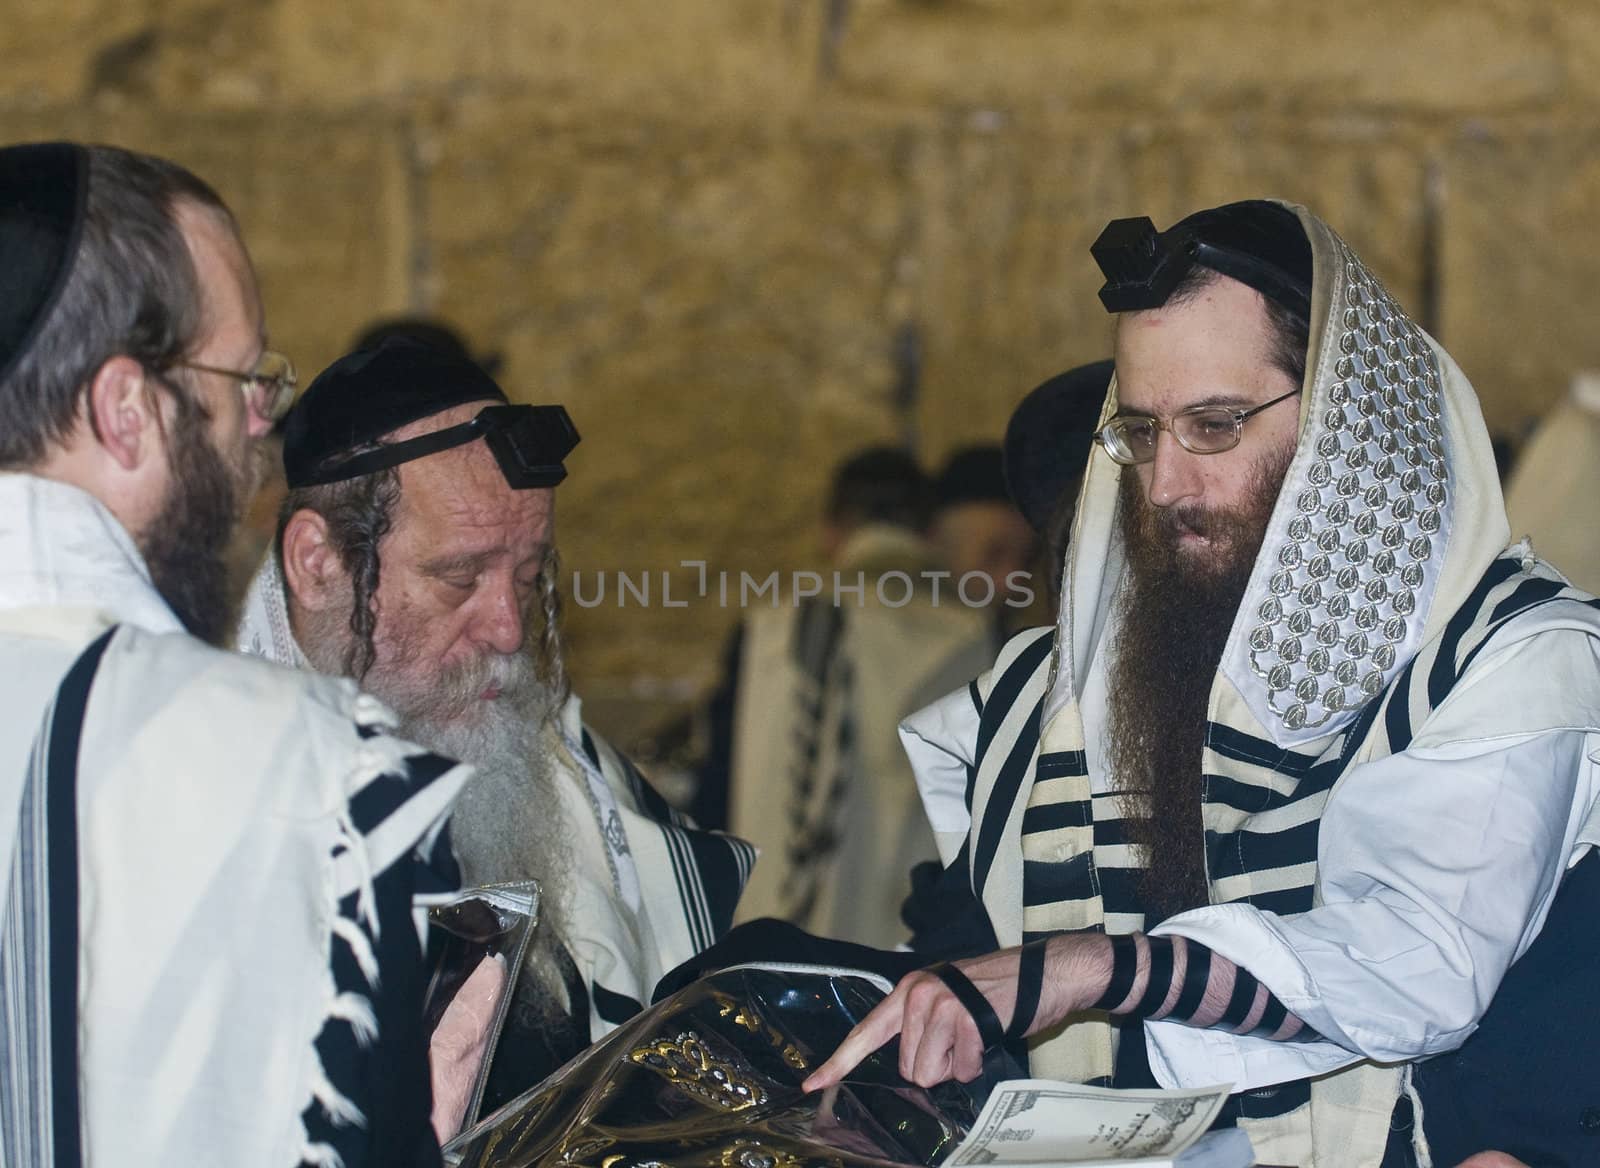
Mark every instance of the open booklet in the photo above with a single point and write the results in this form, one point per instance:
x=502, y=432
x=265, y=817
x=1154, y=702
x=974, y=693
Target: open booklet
x=1042, y=1123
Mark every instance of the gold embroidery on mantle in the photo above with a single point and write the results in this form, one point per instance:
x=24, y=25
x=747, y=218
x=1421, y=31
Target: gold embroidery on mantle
x=689, y=1064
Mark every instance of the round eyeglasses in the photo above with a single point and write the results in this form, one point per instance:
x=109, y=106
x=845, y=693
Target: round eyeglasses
x=1199, y=429
x=268, y=387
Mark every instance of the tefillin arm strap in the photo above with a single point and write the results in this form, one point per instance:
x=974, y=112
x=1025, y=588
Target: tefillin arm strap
x=1030, y=984
x=1201, y=970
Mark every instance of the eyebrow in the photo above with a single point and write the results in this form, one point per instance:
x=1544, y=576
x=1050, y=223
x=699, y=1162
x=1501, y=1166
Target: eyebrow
x=447, y=565
x=1232, y=401
x=473, y=561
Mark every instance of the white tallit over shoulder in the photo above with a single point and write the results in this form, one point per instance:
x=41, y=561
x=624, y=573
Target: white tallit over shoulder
x=216, y=840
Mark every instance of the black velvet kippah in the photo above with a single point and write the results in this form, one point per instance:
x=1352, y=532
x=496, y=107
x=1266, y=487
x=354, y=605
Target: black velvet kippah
x=1050, y=437
x=373, y=392
x=43, y=191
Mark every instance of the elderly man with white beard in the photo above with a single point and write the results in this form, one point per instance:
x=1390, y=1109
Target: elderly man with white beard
x=415, y=553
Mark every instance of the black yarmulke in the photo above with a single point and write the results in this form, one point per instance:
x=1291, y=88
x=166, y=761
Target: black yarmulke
x=43, y=191
x=367, y=394
x=1050, y=437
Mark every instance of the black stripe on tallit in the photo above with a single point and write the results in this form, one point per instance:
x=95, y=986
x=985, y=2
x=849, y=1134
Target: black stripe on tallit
x=1535, y=599
x=1007, y=688
x=613, y=1007
x=1050, y=882
x=379, y=798
x=1054, y=816
x=1443, y=674
x=1118, y=888
x=1250, y=852
x=61, y=865
x=972, y=769
x=696, y=915
x=1242, y=747
x=1014, y=770
x=1013, y=774
x=1285, y=902
x=723, y=864
x=1063, y=764
x=1527, y=594
x=1269, y=1102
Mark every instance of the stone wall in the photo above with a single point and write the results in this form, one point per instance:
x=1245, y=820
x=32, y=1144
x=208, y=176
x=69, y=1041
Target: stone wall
x=741, y=237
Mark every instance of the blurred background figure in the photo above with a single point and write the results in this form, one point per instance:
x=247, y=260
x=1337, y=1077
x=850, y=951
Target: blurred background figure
x=1047, y=447
x=1553, y=492
x=977, y=531
x=805, y=760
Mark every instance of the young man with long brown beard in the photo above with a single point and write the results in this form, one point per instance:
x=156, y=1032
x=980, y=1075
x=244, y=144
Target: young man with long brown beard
x=1311, y=750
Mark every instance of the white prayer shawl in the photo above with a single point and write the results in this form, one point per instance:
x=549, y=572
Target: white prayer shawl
x=215, y=846
x=1383, y=570
x=648, y=890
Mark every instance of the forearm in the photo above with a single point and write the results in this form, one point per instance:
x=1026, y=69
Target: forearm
x=1172, y=979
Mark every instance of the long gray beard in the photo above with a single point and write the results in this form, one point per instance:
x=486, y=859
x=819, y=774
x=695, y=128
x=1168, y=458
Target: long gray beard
x=508, y=824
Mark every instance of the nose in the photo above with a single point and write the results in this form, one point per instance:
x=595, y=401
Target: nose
x=498, y=623
x=1174, y=473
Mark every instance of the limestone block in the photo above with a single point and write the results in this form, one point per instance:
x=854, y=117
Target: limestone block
x=632, y=54
x=711, y=308
x=52, y=46
x=1011, y=287
x=1428, y=55
x=1520, y=256
x=181, y=53
x=1577, y=28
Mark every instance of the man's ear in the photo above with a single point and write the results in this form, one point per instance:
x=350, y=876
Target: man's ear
x=123, y=412
x=312, y=570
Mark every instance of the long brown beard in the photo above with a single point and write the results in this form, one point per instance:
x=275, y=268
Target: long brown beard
x=185, y=546
x=1173, y=618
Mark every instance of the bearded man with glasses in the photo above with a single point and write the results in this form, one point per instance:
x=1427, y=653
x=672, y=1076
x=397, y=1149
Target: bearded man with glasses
x=1310, y=756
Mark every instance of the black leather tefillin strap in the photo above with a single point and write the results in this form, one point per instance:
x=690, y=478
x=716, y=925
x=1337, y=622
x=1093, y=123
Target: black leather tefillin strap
x=1030, y=984
x=1030, y=981
x=988, y=1022
x=1159, y=982
x=1196, y=976
x=1124, y=969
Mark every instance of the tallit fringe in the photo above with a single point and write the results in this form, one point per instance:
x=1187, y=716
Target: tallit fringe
x=340, y=1109
x=348, y=1007
x=1419, y=1141
x=366, y=895
x=350, y=933
x=320, y=1156
x=357, y=1011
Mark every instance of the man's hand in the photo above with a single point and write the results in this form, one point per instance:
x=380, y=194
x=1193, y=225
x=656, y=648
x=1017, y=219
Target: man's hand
x=938, y=1038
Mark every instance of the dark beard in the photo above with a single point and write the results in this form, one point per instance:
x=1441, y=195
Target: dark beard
x=185, y=546
x=1174, y=615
